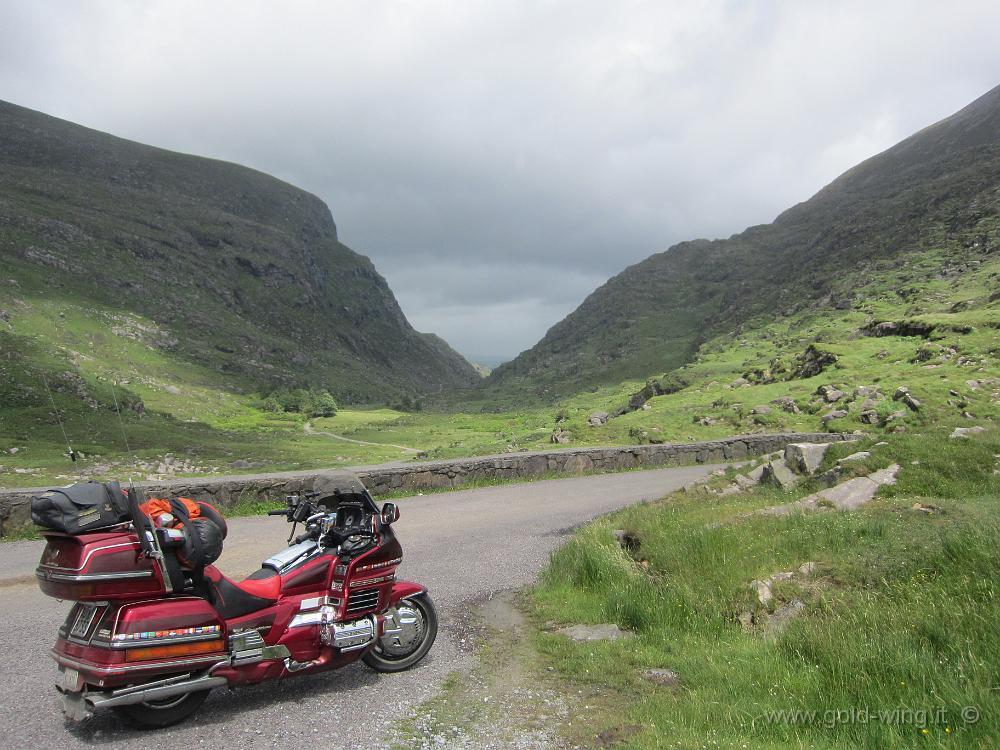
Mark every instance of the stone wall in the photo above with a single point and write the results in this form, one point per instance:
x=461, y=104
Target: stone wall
x=418, y=475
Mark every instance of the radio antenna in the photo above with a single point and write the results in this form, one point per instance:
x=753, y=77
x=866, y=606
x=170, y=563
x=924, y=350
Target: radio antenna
x=62, y=427
x=121, y=422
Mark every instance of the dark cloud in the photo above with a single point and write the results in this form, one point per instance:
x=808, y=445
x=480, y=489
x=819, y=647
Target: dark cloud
x=500, y=161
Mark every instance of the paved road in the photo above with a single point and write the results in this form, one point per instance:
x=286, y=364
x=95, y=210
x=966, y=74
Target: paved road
x=465, y=546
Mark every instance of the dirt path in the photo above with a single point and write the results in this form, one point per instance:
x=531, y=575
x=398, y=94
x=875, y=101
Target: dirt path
x=308, y=428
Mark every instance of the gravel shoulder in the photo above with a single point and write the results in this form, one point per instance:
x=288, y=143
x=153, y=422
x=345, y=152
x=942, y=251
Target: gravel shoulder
x=466, y=546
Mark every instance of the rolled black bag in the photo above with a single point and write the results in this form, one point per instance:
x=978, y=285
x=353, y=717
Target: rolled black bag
x=81, y=507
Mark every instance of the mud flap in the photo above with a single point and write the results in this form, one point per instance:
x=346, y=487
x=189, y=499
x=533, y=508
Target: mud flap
x=75, y=707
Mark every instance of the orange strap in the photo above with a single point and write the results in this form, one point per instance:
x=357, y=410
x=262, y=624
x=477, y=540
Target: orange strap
x=156, y=507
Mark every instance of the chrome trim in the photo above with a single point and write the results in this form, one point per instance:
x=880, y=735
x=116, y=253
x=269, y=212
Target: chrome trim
x=49, y=575
x=313, y=603
x=308, y=618
x=292, y=556
x=93, y=552
x=294, y=666
x=126, y=668
x=106, y=700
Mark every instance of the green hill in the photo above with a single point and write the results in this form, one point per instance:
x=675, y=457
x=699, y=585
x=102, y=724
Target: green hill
x=925, y=210
x=209, y=265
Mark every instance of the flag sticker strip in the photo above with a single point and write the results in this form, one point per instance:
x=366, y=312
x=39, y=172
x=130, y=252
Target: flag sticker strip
x=151, y=635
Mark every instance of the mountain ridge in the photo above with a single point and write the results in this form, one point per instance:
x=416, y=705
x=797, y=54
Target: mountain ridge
x=246, y=271
x=653, y=316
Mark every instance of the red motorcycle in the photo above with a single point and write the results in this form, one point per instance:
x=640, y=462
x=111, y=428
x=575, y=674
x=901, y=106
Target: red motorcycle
x=156, y=626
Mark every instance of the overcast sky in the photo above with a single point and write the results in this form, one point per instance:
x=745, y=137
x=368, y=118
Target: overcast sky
x=500, y=160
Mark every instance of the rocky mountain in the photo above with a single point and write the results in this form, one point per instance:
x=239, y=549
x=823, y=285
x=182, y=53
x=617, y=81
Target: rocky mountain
x=239, y=272
x=937, y=190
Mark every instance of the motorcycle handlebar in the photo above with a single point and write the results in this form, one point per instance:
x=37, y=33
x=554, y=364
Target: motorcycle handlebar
x=283, y=512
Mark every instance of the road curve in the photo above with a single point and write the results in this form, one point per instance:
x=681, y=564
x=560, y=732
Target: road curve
x=465, y=546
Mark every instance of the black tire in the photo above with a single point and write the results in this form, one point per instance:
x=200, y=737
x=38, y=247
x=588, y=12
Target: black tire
x=382, y=660
x=161, y=713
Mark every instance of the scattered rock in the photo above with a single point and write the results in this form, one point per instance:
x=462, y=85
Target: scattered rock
x=172, y=389
x=833, y=395
x=807, y=568
x=598, y=418
x=869, y=416
x=762, y=409
x=787, y=403
x=778, y=621
x=926, y=508
x=835, y=414
x=745, y=482
x=739, y=382
x=964, y=432
x=778, y=474
x=560, y=437
x=805, y=458
x=763, y=590
x=5, y=316
x=604, y=632
x=812, y=362
x=245, y=464
x=972, y=384
x=746, y=620
x=663, y=677
x=627, y=540
x=848, y=495
x=859, y=456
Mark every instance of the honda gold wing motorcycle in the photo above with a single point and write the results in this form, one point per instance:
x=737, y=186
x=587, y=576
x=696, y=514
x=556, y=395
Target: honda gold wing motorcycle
x=155, y=626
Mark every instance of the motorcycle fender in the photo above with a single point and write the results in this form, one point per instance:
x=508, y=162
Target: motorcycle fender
x=404, y=590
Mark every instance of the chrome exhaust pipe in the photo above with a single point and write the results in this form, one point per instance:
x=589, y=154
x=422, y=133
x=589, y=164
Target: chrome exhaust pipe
x=154, y=692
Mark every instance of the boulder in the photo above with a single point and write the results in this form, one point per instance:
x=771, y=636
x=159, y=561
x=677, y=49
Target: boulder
x=859, y=456
x=835, y=414
x=964, y=432
x=763, y=591
x=805, y=458
x=762, y=409
x=869, y=416
x=560, y=437
x=786, y=403
x=662, y=677
x=598, y=418
x=911, y=402
x=778, y=621
x=900, y=393
x=778, y=474
x=585, y=633
x=833, y=395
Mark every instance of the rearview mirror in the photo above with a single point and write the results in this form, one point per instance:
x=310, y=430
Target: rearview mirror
x=390, y=513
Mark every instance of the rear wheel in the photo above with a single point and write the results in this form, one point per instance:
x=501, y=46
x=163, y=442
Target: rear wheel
x=161, y=713
x=411, y=629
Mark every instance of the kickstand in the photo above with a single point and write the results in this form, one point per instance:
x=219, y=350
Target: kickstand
x=292, y=534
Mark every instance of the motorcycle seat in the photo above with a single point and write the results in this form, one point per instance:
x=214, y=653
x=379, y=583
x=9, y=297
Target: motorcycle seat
x=235, y=599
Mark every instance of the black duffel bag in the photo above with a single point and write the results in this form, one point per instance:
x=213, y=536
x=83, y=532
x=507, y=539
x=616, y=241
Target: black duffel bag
x=81, y=507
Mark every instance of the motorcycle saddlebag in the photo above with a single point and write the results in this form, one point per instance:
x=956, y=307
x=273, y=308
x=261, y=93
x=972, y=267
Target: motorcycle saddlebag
x=80, y=507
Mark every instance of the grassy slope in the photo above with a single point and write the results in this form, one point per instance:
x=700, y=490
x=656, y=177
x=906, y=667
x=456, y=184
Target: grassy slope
x=900, y=613
x=193, y=411
x=902, y=610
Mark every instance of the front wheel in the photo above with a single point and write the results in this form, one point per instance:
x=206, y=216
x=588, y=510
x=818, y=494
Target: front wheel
x=161, y=713
x=410, y=629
